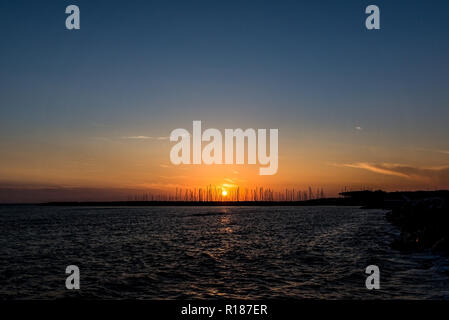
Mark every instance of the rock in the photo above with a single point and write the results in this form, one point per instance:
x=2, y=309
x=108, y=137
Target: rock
x=424, y=224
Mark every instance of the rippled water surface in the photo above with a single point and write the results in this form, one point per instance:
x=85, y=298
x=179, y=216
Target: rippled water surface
x=209, y=252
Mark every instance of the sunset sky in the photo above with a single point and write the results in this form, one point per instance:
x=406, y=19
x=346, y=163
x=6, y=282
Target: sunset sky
x=86, y=114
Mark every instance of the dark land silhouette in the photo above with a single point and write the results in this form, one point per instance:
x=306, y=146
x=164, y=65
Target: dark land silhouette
x=369, y=199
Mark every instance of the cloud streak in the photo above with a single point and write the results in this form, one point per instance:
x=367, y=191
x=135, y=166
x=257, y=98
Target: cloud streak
x=386, y=169
x=145, y=138
x=438, y=175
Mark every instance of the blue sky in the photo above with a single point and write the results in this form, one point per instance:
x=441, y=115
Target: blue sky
x=309, y=68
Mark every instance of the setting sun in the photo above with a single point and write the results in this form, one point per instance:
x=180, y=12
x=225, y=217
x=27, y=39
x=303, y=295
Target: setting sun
x=224, y=193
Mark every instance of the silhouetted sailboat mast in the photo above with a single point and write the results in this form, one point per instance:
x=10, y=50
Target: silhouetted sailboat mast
x=218, y=193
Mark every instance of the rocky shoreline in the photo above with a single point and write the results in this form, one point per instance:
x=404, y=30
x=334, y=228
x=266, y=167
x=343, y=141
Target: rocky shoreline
x=424, y=224
x=422, y=217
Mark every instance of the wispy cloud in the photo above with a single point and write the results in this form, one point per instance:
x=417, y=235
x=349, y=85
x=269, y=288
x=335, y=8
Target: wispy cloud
x=229, y=185
x=138, y=137
x=145, y=138
x=386, y=169
x=430, y=174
